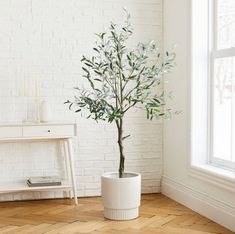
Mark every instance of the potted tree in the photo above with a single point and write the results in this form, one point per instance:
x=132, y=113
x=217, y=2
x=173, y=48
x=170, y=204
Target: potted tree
x=120, y=79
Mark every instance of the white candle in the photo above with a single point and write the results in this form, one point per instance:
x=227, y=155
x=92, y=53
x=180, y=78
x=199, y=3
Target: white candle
x=37, y=88
x=26, y=87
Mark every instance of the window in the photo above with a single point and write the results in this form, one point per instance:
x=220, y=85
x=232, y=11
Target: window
x=222, y=88
x=212, y=92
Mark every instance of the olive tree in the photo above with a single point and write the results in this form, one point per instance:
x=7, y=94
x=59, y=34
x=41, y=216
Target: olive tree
x=121, y=78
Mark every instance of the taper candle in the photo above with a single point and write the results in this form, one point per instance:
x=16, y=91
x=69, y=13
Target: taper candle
x=37, y=89
x=26, y=87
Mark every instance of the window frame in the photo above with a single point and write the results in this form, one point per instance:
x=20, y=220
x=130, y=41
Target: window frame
x=198, y=116
x=215, y=53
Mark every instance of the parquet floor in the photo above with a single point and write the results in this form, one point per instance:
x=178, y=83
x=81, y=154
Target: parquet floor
x=158, y=214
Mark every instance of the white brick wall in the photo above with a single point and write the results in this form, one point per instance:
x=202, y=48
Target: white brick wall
x=45, y=39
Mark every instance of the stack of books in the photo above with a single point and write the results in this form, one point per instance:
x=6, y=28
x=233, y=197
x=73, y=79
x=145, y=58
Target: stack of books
x=44, y=181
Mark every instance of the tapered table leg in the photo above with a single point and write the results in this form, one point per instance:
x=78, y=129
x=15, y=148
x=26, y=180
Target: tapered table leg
x=68, y=174
x=71, y=164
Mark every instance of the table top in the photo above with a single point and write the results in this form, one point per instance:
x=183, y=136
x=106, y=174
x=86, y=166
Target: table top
x=8, y=124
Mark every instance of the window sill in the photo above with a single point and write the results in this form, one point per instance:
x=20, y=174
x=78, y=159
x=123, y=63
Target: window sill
x=214, y=175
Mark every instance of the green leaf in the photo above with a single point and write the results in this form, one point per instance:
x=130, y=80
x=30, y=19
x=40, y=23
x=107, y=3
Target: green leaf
x=132, y=77
x=84, y=69
x=119, y=57
x=102, y=35
x=113, y=34
x=83, y=59
x=97, y=79
x=95, y=49
x=97, y=72
x=91, y=83
x=156, y=100
x=88, y=64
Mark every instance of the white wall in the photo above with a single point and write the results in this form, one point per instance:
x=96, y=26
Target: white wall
x=206, y=198
x=45, y=40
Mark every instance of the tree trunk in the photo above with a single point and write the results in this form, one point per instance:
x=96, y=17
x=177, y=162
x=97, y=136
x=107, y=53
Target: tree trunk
x=120, y=141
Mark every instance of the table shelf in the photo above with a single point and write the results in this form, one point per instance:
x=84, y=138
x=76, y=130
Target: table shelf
x=23, y=187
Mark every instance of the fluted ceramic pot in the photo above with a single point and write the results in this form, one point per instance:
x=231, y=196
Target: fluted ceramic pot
x=121, y=196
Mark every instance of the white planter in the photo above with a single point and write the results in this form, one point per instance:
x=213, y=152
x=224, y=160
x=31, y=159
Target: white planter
x=121, y=196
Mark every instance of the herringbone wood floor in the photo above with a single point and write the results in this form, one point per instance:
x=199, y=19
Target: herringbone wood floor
x=158, y=214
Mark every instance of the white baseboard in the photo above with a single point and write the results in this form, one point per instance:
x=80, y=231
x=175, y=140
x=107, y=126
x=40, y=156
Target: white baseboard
x=216, y=210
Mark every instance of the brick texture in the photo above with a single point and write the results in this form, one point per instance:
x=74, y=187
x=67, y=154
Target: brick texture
x=44, y=40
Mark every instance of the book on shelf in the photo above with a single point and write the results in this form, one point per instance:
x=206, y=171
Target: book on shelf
x=43, y=184
x=44, y=181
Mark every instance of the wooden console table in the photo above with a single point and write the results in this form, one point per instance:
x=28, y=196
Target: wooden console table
x=40, y=132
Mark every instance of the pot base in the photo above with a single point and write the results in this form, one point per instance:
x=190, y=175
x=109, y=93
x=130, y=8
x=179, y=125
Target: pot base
x=123, y=214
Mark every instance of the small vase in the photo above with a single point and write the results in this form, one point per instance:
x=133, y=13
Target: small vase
x=45, y=112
